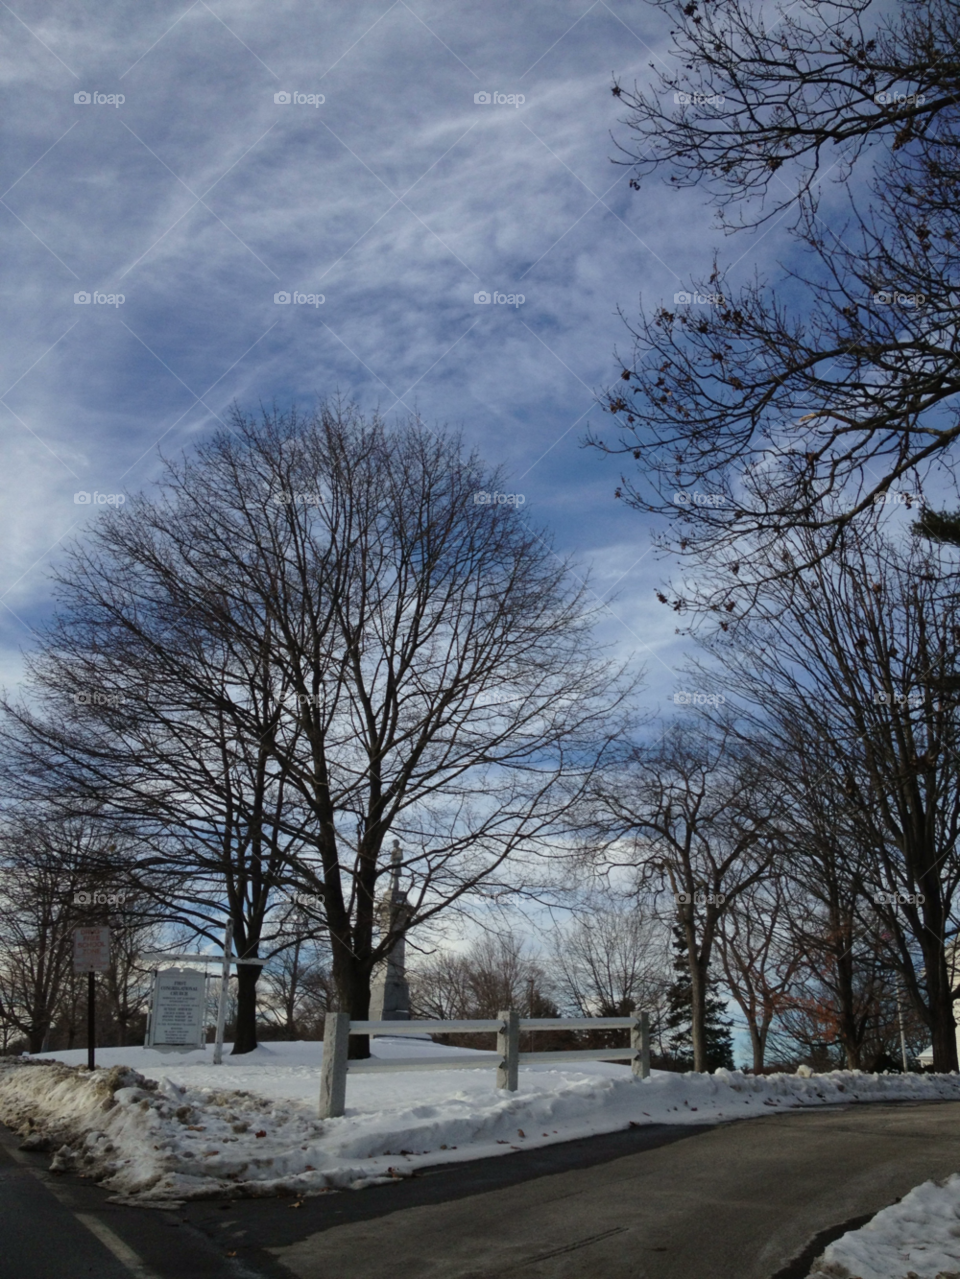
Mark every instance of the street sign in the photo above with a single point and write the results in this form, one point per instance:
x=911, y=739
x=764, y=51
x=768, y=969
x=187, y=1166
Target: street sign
x=91, y=950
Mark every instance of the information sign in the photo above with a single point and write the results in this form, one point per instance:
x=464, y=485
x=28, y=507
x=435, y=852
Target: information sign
x=178, y=1012
x=91, y=950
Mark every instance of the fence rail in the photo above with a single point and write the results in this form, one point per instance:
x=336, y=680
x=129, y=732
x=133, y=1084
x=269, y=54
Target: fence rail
x=507, y=1057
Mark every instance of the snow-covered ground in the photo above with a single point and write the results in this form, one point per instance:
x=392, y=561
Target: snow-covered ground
x=918, y=1237
x=155, y=1126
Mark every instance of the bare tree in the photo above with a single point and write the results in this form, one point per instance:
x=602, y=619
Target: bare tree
x=319, y=633
x=693, y=813
x=763, y=410
x=491, y=974
x=612, y=959
x=760, y=963
x=39, y=878
x=56, y=875
x=857, y=657
x=297, y=986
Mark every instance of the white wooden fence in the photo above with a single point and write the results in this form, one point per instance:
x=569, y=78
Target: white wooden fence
x=507, y=1058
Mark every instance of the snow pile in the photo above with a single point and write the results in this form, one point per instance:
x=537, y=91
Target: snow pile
x=919, y=1237
x=152, y=1127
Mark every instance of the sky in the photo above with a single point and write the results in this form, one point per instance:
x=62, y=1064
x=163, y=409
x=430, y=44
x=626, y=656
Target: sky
x=388, y=163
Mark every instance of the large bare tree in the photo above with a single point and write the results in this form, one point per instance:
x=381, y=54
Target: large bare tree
x=318, y=633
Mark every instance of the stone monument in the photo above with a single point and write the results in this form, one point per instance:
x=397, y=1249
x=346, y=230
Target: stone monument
x=389, y=992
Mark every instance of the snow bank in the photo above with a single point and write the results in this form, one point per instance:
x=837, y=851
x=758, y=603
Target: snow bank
x=154, y=1127
x=919, y=1237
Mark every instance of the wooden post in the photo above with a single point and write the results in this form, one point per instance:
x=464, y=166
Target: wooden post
x=508, y=1046
x=640, y=1043
x=333, y=1068
x=224, y=988
x=91, y=1021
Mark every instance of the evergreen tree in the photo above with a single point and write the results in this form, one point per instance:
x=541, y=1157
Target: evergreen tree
x=938, y=526
x=719, y=1039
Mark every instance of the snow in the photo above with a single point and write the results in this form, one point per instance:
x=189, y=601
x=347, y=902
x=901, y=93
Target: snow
x=156, y=1127
x=919, y=1236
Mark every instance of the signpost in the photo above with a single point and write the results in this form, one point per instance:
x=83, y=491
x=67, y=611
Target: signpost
x=91, y=954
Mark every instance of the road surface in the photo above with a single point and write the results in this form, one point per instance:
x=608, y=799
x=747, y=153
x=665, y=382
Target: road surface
x=750, y=1200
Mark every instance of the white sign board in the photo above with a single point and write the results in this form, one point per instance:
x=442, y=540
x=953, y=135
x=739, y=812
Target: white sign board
x=91, y=950
x=178, y=1012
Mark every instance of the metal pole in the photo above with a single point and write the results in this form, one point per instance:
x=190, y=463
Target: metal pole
x=91, y=1026
x=640, y=1043
x=903, y=1038
x=224, y=986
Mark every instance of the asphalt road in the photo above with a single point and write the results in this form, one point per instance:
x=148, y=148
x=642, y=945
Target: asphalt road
x=752, y=1200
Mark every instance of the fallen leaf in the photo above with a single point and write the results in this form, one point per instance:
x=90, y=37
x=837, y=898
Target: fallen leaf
x=521, y=1132
x=261, y=1133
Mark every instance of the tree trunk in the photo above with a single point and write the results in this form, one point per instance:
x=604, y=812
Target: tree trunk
x=698, y=1015
x=944, y=1027
x=245, y=1038
x=353, y=991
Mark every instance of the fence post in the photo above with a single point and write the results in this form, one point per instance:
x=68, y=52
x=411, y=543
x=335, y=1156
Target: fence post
x=333, y=1066
x=640, y=1043
x=508, y=1046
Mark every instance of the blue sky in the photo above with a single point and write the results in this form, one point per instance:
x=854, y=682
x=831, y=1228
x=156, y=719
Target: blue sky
x=200, y=197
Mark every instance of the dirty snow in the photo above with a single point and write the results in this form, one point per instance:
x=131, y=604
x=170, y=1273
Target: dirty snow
x=919, y=1237
x=158, y=1127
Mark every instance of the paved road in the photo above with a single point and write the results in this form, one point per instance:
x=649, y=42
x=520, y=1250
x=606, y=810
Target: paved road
x=752, y=1200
